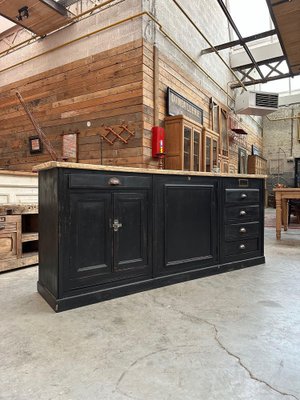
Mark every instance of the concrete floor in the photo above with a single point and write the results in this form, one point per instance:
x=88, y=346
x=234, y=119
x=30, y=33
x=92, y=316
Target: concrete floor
x=226, y=337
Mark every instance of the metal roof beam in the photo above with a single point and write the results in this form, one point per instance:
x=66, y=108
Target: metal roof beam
x=264, y=80
x=235, y=28
x=239, y=42
x=261, y=53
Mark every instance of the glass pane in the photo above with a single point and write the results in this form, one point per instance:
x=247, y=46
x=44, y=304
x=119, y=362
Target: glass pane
x=187, y=148
x=207, y=151
x=224, y=135
x=196, y=151
x=215, y=154
x=216, y=126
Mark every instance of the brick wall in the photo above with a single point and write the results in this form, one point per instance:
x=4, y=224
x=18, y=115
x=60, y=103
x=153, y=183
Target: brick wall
x=281, y=143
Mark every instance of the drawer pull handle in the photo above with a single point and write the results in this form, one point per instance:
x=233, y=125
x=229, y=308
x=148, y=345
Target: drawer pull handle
x=243, y=213
x=243, y=196
x=114, y=181
x=242, y=247
x=243, y=230
x=2, y=226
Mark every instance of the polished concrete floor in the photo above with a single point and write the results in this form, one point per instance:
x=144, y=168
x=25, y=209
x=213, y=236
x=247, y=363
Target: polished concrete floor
x=226, y=337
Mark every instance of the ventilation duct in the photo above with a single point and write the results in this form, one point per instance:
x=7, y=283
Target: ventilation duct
x=67, y=3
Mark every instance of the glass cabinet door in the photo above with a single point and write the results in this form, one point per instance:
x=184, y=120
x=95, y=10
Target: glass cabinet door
x=215, y=154
x=187, y=148
x=208, y=154
x=197, y=151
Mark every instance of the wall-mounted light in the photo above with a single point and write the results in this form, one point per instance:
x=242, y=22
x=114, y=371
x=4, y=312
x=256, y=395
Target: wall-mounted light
x=23, y=13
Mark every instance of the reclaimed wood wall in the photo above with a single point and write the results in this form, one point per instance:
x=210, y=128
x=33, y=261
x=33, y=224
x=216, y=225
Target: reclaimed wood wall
x=105, y=89
x=122, y=86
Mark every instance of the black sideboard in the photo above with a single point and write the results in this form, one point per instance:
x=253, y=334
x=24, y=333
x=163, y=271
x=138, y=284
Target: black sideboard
x=104, y=234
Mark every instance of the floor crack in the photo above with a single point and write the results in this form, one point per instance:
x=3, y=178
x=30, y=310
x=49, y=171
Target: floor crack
x=222, y=346
x=117, y=388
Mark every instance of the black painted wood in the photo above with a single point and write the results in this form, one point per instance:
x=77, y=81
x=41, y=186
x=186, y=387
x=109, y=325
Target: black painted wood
x=242, y=235
x=131, y=241
x=105, y=235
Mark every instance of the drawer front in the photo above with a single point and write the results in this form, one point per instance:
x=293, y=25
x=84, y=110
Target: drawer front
x=8, y=245
x=241, y=247
x=111, y=181
x=241, y=196
x=241, y=214
x=8, y=223
x=242, y=231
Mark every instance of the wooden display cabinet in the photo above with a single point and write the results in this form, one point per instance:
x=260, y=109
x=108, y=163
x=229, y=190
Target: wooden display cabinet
x=183, y=144
x=257, y=165
x=224, y=165
x=210, y=150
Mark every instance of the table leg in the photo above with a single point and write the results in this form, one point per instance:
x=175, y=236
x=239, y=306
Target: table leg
x=278, y=216
x=285, y=214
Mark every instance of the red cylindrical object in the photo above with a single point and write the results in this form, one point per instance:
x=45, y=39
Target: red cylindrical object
x=158, y=141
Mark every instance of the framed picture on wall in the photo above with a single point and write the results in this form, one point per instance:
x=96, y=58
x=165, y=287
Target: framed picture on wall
x=255, y=150
x=35, y=145
x=243, y=158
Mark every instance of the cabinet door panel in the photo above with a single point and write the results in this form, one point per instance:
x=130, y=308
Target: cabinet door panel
x=187, y=215
x=8, y=245
x=90, y=238
x=131, y=241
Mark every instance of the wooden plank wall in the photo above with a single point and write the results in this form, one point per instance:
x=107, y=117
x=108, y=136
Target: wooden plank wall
x=109, y=89
x=105, y=89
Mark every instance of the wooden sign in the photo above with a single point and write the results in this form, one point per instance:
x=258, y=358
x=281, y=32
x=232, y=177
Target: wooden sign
x=69, y=150
x=179, y=105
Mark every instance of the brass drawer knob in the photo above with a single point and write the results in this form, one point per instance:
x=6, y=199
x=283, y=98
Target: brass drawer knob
x=243, y=196
x=243, y=230
x=242, y=213
x=242, y=247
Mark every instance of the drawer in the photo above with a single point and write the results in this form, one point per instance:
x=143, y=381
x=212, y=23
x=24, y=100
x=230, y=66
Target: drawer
x=242, y=195
x=241, y=214
x=241, y=247
x=111, y=181
x=8, y=245
x=241, y=231
x=8, y=223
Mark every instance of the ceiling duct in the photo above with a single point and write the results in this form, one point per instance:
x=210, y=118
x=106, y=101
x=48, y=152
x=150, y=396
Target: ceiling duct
x=67, y=3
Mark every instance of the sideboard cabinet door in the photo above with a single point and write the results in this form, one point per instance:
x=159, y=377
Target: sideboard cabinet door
x=187, y=222
x=131, y=238
x=89, y=239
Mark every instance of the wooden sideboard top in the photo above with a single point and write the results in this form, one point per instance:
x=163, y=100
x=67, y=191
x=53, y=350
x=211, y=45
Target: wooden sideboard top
x=16, y=209
x=109, y=168
x=16, y=173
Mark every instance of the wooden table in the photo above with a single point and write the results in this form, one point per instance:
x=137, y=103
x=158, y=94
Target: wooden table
x=282, y=196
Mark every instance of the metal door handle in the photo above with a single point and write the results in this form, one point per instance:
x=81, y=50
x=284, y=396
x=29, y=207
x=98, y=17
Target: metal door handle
x=243, y=196
x=242, y=213
x=242, y=247
x=243, y=230
x=116, y=225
